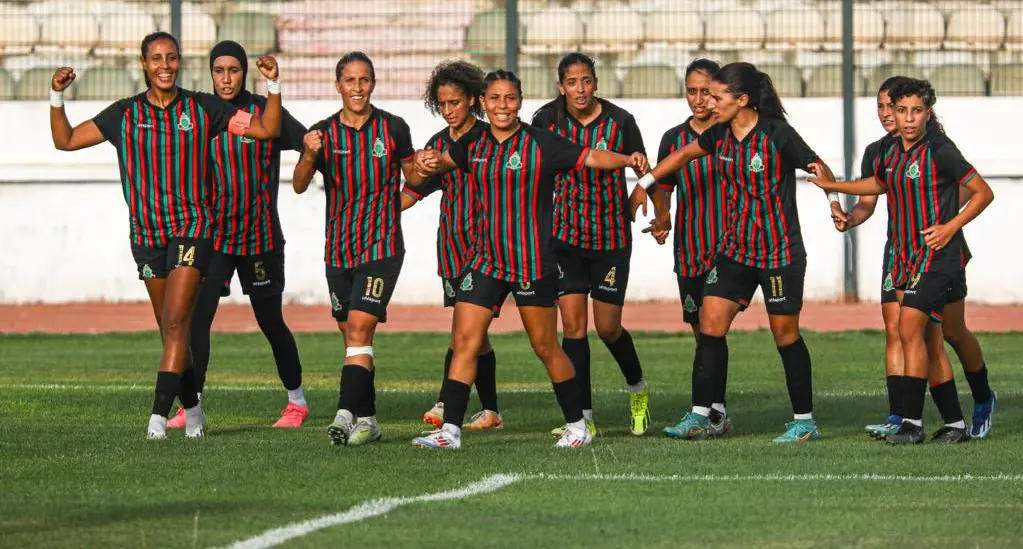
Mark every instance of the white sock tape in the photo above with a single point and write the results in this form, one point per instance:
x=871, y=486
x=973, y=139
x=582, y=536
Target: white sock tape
x=356, y=351
x=833, y=197
x=647, y=181
x=273, y=86
x=56, y=98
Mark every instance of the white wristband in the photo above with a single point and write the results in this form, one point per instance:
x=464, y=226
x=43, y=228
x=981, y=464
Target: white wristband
x=833, y=197
x=56, y=98
x=646, y=181
x=273, y=86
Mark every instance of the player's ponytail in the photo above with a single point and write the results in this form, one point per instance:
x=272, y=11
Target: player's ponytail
x=745, y=79
x=769, y=104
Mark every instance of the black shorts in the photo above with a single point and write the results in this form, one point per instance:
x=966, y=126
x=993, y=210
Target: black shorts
x=930, y=292
x=367, y=287
x=260, y=275
x=690, y=292
x=179, y=252
x=490, y=293
x=603, y=274
x=782, y=287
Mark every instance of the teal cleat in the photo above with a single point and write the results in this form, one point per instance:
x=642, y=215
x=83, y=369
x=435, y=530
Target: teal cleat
x=692, y=426
x=799, y=430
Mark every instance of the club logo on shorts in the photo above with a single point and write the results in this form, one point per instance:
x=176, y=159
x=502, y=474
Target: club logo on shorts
x=448, y=289
x=466, y=285
x=378, y=148
x=756, y=164
x=514, y=161
x=601, y=145
x=889, y=285
x=184, y=122
x=712, y=276
x=335, y=303
x=913, y=171
x=147, y=272
x=690, y=304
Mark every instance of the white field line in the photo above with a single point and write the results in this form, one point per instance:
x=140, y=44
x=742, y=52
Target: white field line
x=375, y=508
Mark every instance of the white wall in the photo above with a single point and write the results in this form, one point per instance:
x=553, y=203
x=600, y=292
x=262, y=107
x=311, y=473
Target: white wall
x=65, y=236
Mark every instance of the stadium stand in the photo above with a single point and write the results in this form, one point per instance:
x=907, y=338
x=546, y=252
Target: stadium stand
x=6, y=85
x=1007, y=80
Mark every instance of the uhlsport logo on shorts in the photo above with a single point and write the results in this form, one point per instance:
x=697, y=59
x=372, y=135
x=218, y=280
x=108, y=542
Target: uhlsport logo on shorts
x=561, y=272
x=147, y=272
x=378, y=148
x=756, y=164
x=514, y=161
x=466, y=285
x=888, y=284
x=184, y=122
x=335, y=303
x=712, y=276
x=690, y=304
x=448, y=289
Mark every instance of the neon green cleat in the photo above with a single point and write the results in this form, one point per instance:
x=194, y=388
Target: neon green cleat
x=559, y=432
x=800, y=430
x=692, y=426
x=640, y=412
x=364, y=432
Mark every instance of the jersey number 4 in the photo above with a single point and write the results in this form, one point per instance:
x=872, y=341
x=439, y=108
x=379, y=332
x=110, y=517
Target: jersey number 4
x=610, y=277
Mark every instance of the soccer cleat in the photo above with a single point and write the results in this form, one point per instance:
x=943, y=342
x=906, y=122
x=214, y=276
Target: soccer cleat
x=574, y=438
x=195, y=423
x=483, y=420
x=983, y=417
x=157, y=429
x=692, y=426
x=439, y=439
x=364, y=432
x=881, y=430
x=720, y=424
x=340, y=429
x=559, y=432
x=435, y=416
x=907, y=434
x=951, y=435
x=640, y=412
x=292, y=416
x=178, y=421
x=799, y=430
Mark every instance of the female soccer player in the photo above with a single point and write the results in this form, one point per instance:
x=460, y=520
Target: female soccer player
x=514, y=166
x=920, y=171
x=593, y=233
x=454, y=92
x=756, y=154
x=699, y=217
x=362, y=152
x=162, y=139
x=247, y=233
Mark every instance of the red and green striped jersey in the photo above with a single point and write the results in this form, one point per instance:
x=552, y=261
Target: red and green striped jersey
x=362, y=177
x=458, y=207
x=591, y=207
x=922, y=184
x=514, y=187
x=245, y=176
x=699, y=205
x=868, y=165
x=162, y=154
x=759, y=172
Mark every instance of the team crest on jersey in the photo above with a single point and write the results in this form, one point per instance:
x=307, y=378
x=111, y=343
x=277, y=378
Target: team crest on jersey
x=247, y=140
x=514, y=161
x=601, y=145
x=466, y=285
x=378, y=148
x=335, y=303
x=147, y=272
x=690, y=304
x=888, y=284
x=448, y=289
x=756, y=164
x=712, y=276
x=913, y=171
x=184, y=122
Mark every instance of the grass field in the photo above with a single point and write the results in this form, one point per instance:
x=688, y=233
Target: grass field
x=76, y=471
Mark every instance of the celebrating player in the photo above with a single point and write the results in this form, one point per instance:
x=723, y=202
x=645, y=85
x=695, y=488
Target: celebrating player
x=514, y=166
x=920, y=170
x=454, y=92
x=162, y=139
x=756, y=153
x=699, y=218
x=593, y=233
x=362, y=152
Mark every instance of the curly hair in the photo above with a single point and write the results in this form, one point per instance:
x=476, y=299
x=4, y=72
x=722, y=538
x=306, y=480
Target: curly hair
x=908, y=87
x=463, y=75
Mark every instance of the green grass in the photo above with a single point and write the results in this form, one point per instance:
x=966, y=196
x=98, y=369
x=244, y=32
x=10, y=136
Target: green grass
x=75, y=470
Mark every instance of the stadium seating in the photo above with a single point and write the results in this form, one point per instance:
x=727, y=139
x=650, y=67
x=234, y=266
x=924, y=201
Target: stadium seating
x=734, y=31
x=198, y=30
x=254, y=31
x=120, y=32
x=883, y=72
x=787, y=79
x=7, y=87
x=615, y=30
x=68, y=27
x=19, y=29
x=539, y=82
x=486, y=34
x=958, y=80
x=826, y=81
x=645, y=81
x=1007, y=80
x=682, y=29
x=913, y=26
x=790, y=29
x=868, y=27
x=552, y=30
x=976, y=27
x=105, y=83
x=1014, y=31
x=35, y=84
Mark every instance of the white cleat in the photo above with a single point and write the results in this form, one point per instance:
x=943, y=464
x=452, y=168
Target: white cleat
x=341, y=429
x=157, y=428
x=574, y=438
x=195, y=422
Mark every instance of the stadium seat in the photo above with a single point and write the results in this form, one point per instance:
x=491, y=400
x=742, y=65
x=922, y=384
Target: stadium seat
x=121, y=33
x=105, y=83
x=198, y=31
x=958, y=80
x=681, y=28
x=826, y=81
x=35, y=84
x=651, y=81
x=787, y=79
x=1014, y=31
x=6, y=85
x=794, y=29
x=486, y=34
x=614, y=30
x=1007, y=80
x=539, y=83
x=868, y=28
x=914, y=26
x=977, y=27
x=734, y=30
x=75, y=30
x=19, y=29
x=254, y=31
x=552, y=30
x=884, y=72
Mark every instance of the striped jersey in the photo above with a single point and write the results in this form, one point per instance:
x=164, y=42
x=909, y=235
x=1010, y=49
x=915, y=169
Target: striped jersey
x=699, y=205
x=362, y=177
x=244, y=178
x=591, y=207
x=514, y=187
x=759, y=174
x=457, y=207
x=922, y=185
x=868, y=165
x=162, y=155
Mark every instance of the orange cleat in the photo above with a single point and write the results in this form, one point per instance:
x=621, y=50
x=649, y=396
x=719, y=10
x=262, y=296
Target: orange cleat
x=178, y=421
x=292, y=416
x=487, y=419
x=435, y=415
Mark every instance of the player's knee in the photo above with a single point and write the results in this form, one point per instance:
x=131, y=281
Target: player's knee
x=911, y=330
x=545, y=348
x=358, y=336
x=785, y=335
x=609, y=332
x=891, y=331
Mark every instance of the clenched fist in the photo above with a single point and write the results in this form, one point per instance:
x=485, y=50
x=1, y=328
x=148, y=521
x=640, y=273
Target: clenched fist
x=312, y=142
x=267, y=66
x=63, y=78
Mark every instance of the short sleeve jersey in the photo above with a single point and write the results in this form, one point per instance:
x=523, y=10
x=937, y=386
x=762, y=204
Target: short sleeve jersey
x=759, y=174
x=162, y=155
x=699, y=205
x=922, y=186
x=591, y=207
x=245, y=178
x=362, y=177
x=457, y=207
x=514, y=185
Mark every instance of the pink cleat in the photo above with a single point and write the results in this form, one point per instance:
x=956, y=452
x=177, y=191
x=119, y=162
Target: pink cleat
x=178, y=421
x=292, y=416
